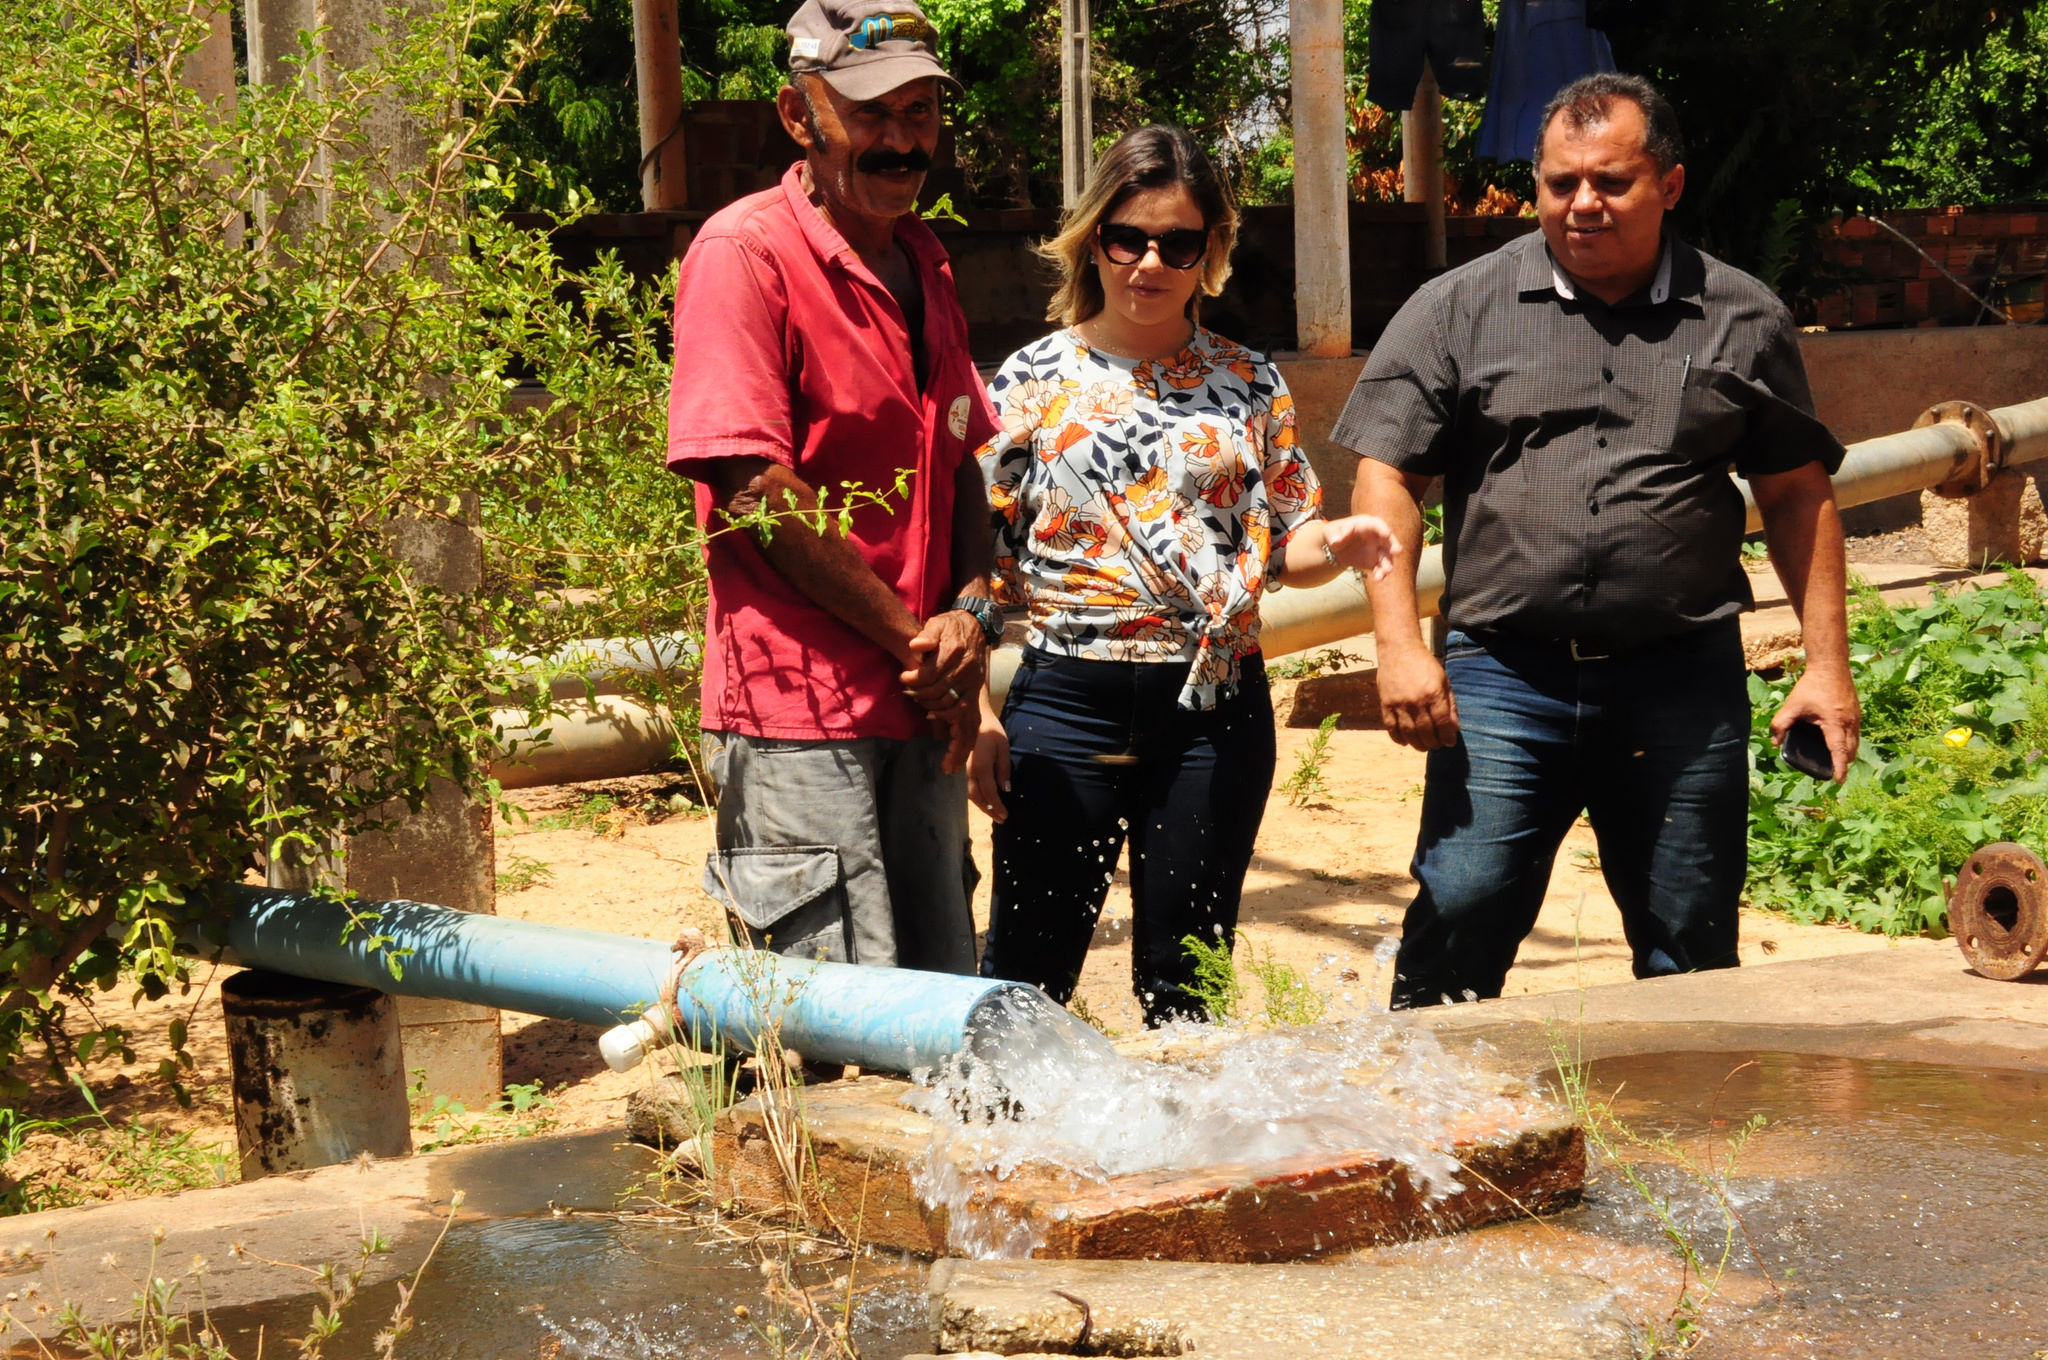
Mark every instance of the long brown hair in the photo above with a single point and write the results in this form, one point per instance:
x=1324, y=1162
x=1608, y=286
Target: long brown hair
x=1155, y=157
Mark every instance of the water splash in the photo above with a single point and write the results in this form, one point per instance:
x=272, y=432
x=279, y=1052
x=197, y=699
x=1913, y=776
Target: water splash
x=1038, y=1089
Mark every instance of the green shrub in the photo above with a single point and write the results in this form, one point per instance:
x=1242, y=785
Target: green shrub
x=208, y=638
x=1955, y=724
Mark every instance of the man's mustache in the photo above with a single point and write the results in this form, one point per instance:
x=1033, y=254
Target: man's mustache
x=880, y=162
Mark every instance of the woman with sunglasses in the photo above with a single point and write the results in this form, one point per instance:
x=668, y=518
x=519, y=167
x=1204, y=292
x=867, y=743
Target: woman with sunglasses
x=1147, y=488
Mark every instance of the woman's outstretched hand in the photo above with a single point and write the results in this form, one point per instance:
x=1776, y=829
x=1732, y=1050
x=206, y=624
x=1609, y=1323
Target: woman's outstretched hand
x=988, y=766
x=1364, y=542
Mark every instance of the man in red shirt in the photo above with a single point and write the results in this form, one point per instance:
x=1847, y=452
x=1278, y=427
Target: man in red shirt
x=819, y=343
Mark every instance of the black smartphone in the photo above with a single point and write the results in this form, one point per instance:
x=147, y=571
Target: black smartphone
x=1806, y=750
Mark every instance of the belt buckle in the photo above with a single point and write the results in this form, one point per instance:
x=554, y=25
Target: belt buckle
x=1578, y=655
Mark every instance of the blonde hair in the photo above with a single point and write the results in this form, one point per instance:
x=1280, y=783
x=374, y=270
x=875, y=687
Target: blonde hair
x=1156, y=157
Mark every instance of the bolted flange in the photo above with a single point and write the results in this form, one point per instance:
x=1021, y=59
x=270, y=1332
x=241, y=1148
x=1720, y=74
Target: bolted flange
x=1989, y=455
x=1998, y=911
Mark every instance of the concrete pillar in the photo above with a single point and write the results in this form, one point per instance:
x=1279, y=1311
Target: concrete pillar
x=658, y=77
x=2003, y=523
x=443, y=853
x=1422, y=163
x=1322, y=181
x=210, y=73
x=319, y=1077
x=1077, y=99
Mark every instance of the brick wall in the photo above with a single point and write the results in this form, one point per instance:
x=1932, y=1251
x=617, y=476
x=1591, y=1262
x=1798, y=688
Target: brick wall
x=731, y=148
x=2000, y=254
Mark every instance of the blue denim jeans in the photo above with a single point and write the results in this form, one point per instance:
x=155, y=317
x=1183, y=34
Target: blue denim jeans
x=1652, y=744
x=1101, y=752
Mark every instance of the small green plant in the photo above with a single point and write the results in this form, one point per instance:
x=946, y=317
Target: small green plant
x=524, y=1110
x=1589, y=860
x=1079, y=1008
x=1703, y=1253
x=1308, y=665
x=522, y=872
x=106, y=1160
x=1217, y=984
x=1224, y=987
x=1755, y=552
x=1306, y=784
x=594, y=813
x=942, y=210
x=1433, y=523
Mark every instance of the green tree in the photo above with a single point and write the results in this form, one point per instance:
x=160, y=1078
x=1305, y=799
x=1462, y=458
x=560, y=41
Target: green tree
x=208, y=640
x=1979, y=133
x=1790, y=106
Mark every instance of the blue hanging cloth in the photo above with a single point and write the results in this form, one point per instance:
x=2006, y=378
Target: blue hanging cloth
x=1540, y=47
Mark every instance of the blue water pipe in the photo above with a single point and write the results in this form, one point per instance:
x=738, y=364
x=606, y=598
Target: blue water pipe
x=883, y=1019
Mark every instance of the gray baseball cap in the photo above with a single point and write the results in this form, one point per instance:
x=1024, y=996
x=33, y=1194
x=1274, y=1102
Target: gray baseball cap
x=864, y=48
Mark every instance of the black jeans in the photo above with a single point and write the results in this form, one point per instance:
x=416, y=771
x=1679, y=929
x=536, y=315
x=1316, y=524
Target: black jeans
x=1101, y=751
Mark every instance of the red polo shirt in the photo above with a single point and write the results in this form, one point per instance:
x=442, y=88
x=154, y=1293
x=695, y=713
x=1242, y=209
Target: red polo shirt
x=788, y=348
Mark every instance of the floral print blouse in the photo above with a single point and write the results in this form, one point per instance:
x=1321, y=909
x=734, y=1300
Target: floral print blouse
x=1137, y=504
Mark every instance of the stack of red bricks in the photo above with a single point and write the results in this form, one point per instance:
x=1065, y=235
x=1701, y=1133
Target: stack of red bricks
x=1999, y=254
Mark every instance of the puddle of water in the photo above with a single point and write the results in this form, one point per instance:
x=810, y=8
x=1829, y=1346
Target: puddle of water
x=590, y=1287
x=1896, y=1205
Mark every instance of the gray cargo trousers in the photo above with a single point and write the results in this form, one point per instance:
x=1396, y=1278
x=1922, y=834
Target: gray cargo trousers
x=854, y=850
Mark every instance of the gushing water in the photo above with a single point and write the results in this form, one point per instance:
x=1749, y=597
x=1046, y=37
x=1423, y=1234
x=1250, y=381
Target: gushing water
x=1038, y=1088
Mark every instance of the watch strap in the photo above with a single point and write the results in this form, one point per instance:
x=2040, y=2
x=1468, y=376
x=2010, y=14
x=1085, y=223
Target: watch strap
x=985, y=613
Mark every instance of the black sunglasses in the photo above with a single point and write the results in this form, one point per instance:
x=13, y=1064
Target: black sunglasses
x=1181, y=248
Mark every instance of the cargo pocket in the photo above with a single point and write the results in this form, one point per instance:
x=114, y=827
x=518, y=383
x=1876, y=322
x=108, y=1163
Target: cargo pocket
x=786, y=898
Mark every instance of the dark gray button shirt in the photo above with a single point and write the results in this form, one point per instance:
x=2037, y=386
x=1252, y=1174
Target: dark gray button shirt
x=1584, y=448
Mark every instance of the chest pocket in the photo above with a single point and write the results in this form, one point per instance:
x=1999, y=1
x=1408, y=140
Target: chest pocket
x=1710, y=415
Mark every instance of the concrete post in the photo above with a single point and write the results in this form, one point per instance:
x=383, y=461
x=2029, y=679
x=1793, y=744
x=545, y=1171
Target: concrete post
x=1322, y=190
x=1422, y=164
x=444, y=853
x=2003, y=523
x=210, y=73
x=319, y=1076
x=658, y=77
x=1077, y=99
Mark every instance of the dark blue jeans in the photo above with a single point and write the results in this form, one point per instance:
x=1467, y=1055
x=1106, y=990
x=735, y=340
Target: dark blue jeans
x=1101, y=752
x=1652, y=744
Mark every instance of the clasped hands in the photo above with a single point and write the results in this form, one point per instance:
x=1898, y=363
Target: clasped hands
x=951, y=662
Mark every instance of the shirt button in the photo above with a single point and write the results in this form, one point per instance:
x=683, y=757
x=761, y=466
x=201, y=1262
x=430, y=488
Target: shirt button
x=1607, y=375
x=1601, y=441
x=1592, y=507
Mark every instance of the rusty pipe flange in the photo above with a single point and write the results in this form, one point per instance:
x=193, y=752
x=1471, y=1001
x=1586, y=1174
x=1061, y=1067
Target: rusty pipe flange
x=1998, y=911
x=1989, y=456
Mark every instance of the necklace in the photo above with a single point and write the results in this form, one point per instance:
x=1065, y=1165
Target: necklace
x=1126, y=354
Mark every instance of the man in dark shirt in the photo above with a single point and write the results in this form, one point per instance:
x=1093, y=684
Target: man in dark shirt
x=1584, y=392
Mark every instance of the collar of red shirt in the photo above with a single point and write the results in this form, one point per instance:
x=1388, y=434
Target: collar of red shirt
x=824, y=238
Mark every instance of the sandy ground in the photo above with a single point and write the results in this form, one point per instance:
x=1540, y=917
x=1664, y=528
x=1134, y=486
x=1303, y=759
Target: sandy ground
x=1326, y=891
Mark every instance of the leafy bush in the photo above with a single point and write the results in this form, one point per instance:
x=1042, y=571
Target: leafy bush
x=1955, y=712
x=243, y=353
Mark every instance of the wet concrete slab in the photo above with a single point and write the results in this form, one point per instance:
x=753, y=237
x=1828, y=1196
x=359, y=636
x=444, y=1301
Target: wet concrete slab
x=1916, y=1002
x=1357, y=1309
x=255, y=1237
x=869, y=1152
